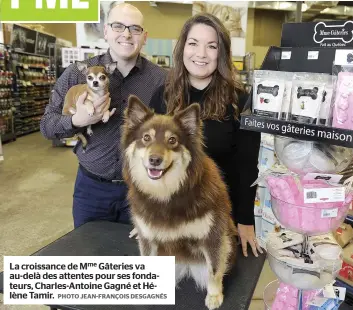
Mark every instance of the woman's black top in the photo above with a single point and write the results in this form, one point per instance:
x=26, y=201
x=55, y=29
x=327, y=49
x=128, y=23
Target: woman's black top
x=234, y=150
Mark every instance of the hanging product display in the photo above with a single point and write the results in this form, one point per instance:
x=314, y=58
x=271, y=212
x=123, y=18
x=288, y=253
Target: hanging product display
x=303, y=98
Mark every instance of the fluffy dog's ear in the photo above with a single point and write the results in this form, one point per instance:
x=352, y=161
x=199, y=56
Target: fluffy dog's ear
x=190, y=118
x=82, y=67
x=110, y=68
x=136, y=112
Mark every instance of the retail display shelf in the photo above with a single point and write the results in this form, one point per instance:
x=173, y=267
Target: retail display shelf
x=23, y=133
x=309, y=132
x=293, y=78
x=30, y=114
x=8, y=137
x=32, y=66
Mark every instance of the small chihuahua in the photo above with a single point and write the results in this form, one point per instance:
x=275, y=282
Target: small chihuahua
x=97, y=86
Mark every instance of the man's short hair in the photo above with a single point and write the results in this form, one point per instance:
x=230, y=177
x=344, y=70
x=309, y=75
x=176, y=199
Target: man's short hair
x=112, y=5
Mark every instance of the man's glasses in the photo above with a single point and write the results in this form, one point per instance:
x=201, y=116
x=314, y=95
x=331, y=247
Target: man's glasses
x=118, y=27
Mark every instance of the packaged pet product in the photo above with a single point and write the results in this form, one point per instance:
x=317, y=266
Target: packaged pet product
x=268, y=93
x=324, y=247
x=269, y=223
x=307, y=95
x=293, y=212
x=325, y=116
x=284, y=239
x=343, y=234
x=343, y=106
x=287, y=298
x=300, y=270
x=303, y=157
x=259, y=202
x=321, y=303
x=285, y=110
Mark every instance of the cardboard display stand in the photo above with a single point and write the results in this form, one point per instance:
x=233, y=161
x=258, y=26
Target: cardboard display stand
x=308, y=52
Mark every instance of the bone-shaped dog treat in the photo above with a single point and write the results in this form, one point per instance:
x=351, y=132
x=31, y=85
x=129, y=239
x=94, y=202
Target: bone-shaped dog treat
x=343, y=32
x=268, y=89
x=307, y=92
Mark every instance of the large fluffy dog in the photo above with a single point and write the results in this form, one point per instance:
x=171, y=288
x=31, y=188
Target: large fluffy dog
x=179, y=202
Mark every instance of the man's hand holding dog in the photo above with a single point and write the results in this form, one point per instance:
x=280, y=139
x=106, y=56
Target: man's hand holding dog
x=83, y=117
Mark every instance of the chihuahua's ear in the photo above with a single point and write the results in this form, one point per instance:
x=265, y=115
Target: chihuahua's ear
x=136, y=112
x=82, y=66
x=110, y=68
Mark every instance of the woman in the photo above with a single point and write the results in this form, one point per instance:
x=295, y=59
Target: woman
x=203, y=72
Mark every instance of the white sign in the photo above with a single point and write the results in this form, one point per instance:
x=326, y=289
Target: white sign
x=99, y=280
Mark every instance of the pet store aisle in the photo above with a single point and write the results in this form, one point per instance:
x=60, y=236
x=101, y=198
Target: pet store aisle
x=36, y=186
x=36, y=194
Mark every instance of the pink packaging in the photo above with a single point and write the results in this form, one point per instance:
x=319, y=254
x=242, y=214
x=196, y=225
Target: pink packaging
x=287, y=298
x=306, y=218
x=343, y=107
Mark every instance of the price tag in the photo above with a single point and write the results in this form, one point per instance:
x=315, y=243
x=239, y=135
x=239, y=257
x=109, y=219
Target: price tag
x=286, y=55
x=317, y=195
x=327, y=213
x=312, y=55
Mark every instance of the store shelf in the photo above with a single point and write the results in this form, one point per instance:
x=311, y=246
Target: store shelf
x=24, y=133
x=30, y=114
x=8, y=137
x=309, y=132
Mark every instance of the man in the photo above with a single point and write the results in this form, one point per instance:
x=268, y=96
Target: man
x=99, y=191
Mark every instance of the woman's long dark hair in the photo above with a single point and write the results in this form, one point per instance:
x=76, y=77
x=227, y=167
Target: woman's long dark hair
x=224, y=85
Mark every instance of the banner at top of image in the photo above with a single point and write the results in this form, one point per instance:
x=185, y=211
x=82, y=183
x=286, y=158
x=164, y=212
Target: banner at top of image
x=49, y=11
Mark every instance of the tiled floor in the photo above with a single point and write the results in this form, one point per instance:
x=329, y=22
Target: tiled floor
x=35, y=172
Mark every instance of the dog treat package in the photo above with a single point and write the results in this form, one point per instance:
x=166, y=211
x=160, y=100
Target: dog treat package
x=268, y=93
x=343, y=98
x=343, y=234
x=307, y=96
x=301, y=266
x=326, y=110
x=304, y=157
x=287, y=298
x=285, y=111
x=324, y=247
x=303, y=205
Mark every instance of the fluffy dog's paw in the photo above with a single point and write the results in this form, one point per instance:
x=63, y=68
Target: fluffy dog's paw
x=105, y=119
x=89, y=132
x=214, y=301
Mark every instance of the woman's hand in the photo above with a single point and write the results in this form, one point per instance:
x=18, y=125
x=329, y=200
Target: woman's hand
x=247, y=234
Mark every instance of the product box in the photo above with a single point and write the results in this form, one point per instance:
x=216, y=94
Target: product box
x=346, y=272
x=321, y=303
x=269, y=223
x=343, y=234
x=267, y=156
x=259, y=202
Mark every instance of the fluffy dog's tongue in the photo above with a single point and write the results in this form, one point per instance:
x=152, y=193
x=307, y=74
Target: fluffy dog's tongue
x=155, y=173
